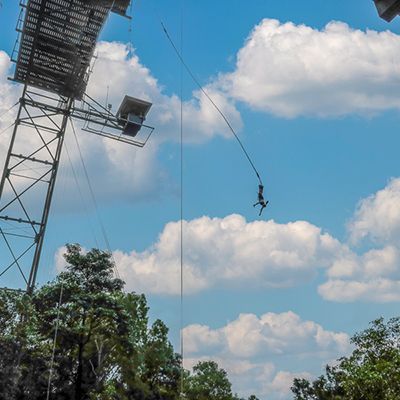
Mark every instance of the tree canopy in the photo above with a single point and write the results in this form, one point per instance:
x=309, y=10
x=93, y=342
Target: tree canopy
x=105, y=347
x=371, y=372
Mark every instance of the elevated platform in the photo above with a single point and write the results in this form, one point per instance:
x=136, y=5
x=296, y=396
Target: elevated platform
x=388, y=9
x=57, y=42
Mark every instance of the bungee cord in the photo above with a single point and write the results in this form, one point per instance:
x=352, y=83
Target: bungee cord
x=220, y=112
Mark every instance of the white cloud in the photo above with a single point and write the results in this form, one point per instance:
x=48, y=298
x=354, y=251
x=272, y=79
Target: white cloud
x=8, y=97
x=380, y=290
x=254, y=350
x=282, y=382
x=375, y=275
x=8, y=92
x=59, y=260
x=229, y=251
x=291, y=70
x=372, y=276
x=250, y=336
x=378, y=216
x=200, y=338
x=123, y=73
x=233, y=253
x=285, y=69
x=119, y=171
x=124, y=172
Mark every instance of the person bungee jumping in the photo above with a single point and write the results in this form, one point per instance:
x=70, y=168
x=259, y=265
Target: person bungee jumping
x=261, y=200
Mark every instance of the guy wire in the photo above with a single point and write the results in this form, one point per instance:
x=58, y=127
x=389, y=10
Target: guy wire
x=103, y=229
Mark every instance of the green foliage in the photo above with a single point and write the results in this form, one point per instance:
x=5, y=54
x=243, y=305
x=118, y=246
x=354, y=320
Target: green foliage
x=105, y=349
x=208, y=382
x=371, y=372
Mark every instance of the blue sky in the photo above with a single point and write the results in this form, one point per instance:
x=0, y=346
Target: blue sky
x=268, y=297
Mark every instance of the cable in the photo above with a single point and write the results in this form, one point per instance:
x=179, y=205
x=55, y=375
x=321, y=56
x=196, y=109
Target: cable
x=8, y=127
x=54, y=342
x=181, y=211
x=81, y=195
x=7, y=111
x=210, y=100
x=130, y=30
x=94, y=199
x=103, y=230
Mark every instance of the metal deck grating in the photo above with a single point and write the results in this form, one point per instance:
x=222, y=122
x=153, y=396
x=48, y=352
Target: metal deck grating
x=57, y=42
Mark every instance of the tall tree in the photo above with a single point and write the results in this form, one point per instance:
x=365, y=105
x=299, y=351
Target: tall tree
x=208, y=382
x=105, y=347
x=371, y=372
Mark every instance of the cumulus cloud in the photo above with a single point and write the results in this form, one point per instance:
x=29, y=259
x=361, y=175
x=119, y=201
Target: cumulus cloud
x=229, y=251
x=283, y=68
x=129, y=76
x=8, y=91
x=292, y=70
x=59, y=260
x=281, y=384
x=375, y=274
x=378, y=216
x=372, y=276
x=8, y=97
x=119, y=171
x=243, y=346
x=380, y=290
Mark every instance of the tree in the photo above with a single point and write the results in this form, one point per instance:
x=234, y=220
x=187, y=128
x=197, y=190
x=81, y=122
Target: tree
x=105, y=347
x=371, y=372
x=17, y=349
x=208, y=382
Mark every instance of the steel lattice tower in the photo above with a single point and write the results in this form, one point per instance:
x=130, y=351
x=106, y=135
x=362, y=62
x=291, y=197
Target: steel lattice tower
x=57, y=39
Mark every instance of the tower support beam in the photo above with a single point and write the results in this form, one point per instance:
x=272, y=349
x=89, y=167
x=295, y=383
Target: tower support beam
x=28, y=181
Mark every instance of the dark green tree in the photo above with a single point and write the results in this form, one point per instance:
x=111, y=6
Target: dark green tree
x=22, y=365
x=371, y=372
x=105, y=347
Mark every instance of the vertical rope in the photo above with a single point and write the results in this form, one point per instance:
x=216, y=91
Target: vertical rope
x=130, y=30
x=210, y=99
x=181, y=203
x=54, y=342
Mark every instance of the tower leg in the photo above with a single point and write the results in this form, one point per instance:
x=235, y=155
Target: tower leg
x=27, y=184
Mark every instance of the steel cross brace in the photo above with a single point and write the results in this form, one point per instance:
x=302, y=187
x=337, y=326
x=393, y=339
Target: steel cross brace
x=29, y=176
x=27, y=183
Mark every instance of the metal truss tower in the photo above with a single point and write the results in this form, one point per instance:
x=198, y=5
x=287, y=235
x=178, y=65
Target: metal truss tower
x=56, y=43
